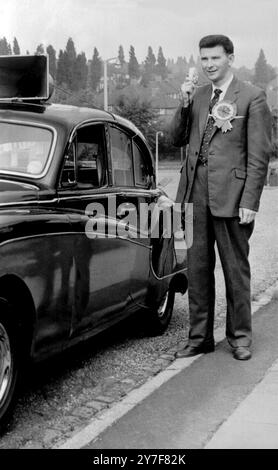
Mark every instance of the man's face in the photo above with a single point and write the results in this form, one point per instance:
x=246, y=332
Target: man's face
x=216, y=63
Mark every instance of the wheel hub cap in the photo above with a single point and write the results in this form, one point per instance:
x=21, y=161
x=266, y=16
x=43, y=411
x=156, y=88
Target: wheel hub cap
x=163, y=305
x=5, y=362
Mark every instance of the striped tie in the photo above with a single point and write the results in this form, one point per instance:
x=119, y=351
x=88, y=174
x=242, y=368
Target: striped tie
x=203, y=156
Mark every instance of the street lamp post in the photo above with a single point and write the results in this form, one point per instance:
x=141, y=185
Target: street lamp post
x=105, y=82
x=156, y=152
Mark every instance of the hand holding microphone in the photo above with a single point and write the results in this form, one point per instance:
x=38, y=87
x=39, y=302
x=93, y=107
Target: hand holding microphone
x=189, y=86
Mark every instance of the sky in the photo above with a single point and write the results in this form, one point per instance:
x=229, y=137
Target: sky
x=175, y=25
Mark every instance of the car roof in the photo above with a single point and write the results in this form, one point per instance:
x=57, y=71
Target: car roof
x=66, y=115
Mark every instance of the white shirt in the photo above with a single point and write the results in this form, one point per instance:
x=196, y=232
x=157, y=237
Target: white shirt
x=223, y=88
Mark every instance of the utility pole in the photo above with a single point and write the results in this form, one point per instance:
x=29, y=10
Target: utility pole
x=156, y=153
x=105, y=82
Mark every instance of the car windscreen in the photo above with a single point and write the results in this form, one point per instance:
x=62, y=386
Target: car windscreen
x=24, y=148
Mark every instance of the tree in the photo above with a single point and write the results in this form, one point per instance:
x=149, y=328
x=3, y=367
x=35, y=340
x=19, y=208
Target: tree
x=261, y=74
x=140, y=112
x=133, y=66
x=16, y=49
x=149, y=67
x=81, y=72
x=52, y=60
x=5, y=48
x=181, y=68
x=40, y=49
x=95, y=70
x=70, y=59
x=82, y=97
x=121, y=56
x=275, y=133
x=61, y=69
x=264, y=73
x=161, y=64
x=150, y=60
x=244, y=74
x=191, y=62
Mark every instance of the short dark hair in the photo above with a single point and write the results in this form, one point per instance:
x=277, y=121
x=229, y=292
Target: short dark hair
x=214, y=40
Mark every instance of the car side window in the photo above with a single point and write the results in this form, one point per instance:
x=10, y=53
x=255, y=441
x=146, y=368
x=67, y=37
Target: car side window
x=121, y=154
x=90, y=156
x=85, y=162
x=141, y=170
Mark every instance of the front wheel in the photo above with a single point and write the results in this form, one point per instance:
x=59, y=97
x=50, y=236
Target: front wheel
x=161, y=315
x=8, y=365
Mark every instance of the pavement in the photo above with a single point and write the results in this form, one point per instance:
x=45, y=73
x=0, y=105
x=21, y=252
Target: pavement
x=210, y=401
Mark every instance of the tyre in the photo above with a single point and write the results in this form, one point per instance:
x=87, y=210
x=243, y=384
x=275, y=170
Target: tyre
x=161, y=314
x=8, y=364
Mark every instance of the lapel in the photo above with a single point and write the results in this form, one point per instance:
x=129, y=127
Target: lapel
x=231, y=95
x=204, y=109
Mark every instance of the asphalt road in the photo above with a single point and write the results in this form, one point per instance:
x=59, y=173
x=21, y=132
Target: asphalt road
x=60, y=396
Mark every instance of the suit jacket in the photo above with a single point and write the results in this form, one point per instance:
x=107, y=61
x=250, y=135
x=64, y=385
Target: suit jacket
x=238, y=159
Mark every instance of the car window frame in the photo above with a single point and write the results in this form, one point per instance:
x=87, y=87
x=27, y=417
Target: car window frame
x=147, y=158
x=51, y=152
x=130, y=135
x=73, y=141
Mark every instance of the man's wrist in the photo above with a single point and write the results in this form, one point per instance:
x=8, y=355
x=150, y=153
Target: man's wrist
x=185, y=102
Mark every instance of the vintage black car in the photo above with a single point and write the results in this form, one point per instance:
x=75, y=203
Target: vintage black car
x=74, y=258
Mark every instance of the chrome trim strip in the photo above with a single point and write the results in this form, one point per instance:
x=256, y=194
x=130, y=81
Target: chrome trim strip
x=78, y=196
x=6, y=242
x=13, y=240
x=26, y=203
x=69, y=198
x=133, y=240
x=112, y=193
x=167, y=275
x=52, y=148
x=28, y=186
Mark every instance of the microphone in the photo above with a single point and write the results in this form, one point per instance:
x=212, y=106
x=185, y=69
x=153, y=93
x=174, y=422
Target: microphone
x=188, y=86
x=193, y=75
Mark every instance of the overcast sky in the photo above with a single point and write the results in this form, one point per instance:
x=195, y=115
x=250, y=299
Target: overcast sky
x=176, y=25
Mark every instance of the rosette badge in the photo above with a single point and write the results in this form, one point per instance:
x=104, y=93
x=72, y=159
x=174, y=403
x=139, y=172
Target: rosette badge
x=223, y=113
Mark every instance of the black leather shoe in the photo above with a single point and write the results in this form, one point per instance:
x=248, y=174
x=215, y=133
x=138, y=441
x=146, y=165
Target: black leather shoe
x=242, y=353
x=189, y=351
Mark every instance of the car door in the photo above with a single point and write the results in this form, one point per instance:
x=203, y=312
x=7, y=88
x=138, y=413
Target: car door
x=132, y=175
x=102, y=260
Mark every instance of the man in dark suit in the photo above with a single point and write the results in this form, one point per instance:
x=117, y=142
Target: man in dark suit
x=227, y=126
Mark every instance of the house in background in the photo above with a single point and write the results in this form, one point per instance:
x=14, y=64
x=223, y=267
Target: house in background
x=162, y=94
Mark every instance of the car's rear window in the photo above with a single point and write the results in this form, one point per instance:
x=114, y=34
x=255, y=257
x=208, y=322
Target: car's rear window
x=24, y=148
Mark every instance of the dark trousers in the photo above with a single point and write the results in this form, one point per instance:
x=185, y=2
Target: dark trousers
x=232, y=241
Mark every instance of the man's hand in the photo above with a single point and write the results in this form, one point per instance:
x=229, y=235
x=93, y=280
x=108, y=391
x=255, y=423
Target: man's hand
x=246, y=215
x=188, y=89
x=165, y=202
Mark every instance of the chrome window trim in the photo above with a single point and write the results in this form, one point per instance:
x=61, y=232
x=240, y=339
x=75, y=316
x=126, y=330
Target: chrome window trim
x=73, y=134
x=85, y=123
x=51, y=152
